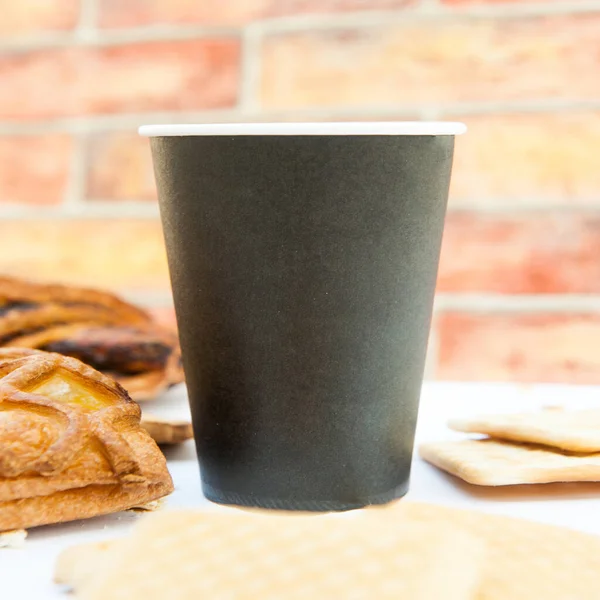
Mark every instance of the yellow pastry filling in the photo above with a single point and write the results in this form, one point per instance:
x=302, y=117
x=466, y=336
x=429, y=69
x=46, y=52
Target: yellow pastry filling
x=68, y=391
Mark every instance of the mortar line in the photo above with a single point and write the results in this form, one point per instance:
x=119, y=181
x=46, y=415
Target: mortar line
x=539, y=105
x=96, y=208
x=77, y=175
x=151, y=298
x=91, y=209
x=99, y=123
x=422, y=13
x=429, y=113
x=429, y=6
x=517, y=304
x=525, y=207
x=88, y=17
x=250, y=70
x=88, y=36
x=115, y=122
x=522, y=10
x=77, y=206
x=98, y=205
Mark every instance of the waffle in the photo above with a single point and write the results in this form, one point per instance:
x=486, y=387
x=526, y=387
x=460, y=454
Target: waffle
x=71, y=444
x=96, y=327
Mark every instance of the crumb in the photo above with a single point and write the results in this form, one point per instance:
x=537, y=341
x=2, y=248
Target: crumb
x=149, y=506
x=13, y=539
x=552, y=407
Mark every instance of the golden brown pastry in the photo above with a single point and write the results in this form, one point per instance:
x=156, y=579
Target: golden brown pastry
x=71, y=444
x=96, y=327
x=166, y=432
x=15, y=292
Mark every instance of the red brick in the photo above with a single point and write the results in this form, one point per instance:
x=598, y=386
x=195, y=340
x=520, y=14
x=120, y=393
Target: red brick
x=35, y=169
x=114, y=254
x=120, y=168
x=27, y=17
x=525, y=348
x=535, y=253
x=128, y=13
x=434, y=62
x=528, y=158
x=197, y=74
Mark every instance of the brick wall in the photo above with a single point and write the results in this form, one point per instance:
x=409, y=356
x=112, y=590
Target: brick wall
x=519, y=287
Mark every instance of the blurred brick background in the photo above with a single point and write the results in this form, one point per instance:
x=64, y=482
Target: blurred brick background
x=519, y=286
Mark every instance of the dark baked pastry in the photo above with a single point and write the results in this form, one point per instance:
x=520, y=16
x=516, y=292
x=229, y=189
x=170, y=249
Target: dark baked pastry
x=96, y=327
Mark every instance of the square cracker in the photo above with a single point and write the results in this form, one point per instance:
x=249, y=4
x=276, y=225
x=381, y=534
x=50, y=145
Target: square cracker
x=523, y=560
x=189, y=555
x=493, y=462
x=577, y=431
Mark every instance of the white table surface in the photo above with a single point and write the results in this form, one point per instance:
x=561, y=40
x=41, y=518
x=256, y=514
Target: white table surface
x=26, y=573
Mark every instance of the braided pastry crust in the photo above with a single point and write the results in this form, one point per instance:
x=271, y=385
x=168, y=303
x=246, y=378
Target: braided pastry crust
x=71, y=444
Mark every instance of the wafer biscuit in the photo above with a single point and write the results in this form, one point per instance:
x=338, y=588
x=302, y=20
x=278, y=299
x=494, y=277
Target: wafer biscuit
x=189, y=555
x=492, y=462
x=523, y=560
x=577, y=431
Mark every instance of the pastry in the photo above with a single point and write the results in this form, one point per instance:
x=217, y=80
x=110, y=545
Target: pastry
x=96, y=327
x=71, y=444
x=167, y=431
x=20, y=294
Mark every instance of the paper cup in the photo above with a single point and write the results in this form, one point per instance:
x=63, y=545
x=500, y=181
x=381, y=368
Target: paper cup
x=303, y=260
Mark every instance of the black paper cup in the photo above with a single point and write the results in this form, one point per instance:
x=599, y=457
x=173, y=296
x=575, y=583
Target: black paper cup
x=303, y=260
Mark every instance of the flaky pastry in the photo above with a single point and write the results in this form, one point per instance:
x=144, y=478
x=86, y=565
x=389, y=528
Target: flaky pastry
x=96, y=327
x=71, y=444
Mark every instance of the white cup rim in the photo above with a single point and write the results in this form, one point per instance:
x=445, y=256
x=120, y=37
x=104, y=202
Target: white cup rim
x=351, y=128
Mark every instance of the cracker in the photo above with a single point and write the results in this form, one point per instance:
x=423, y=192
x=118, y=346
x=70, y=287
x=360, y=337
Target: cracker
x=524, y=560
x=78, y=563
x=190, y=554
x=492, y=462
x=577, y=431
x=166, y=431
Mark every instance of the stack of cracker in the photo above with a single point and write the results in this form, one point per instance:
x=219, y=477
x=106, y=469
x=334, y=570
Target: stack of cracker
x=544, y=447
x=416, y=551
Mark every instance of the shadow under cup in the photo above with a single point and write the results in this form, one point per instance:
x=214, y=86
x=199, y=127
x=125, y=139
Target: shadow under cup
x=303, y=261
